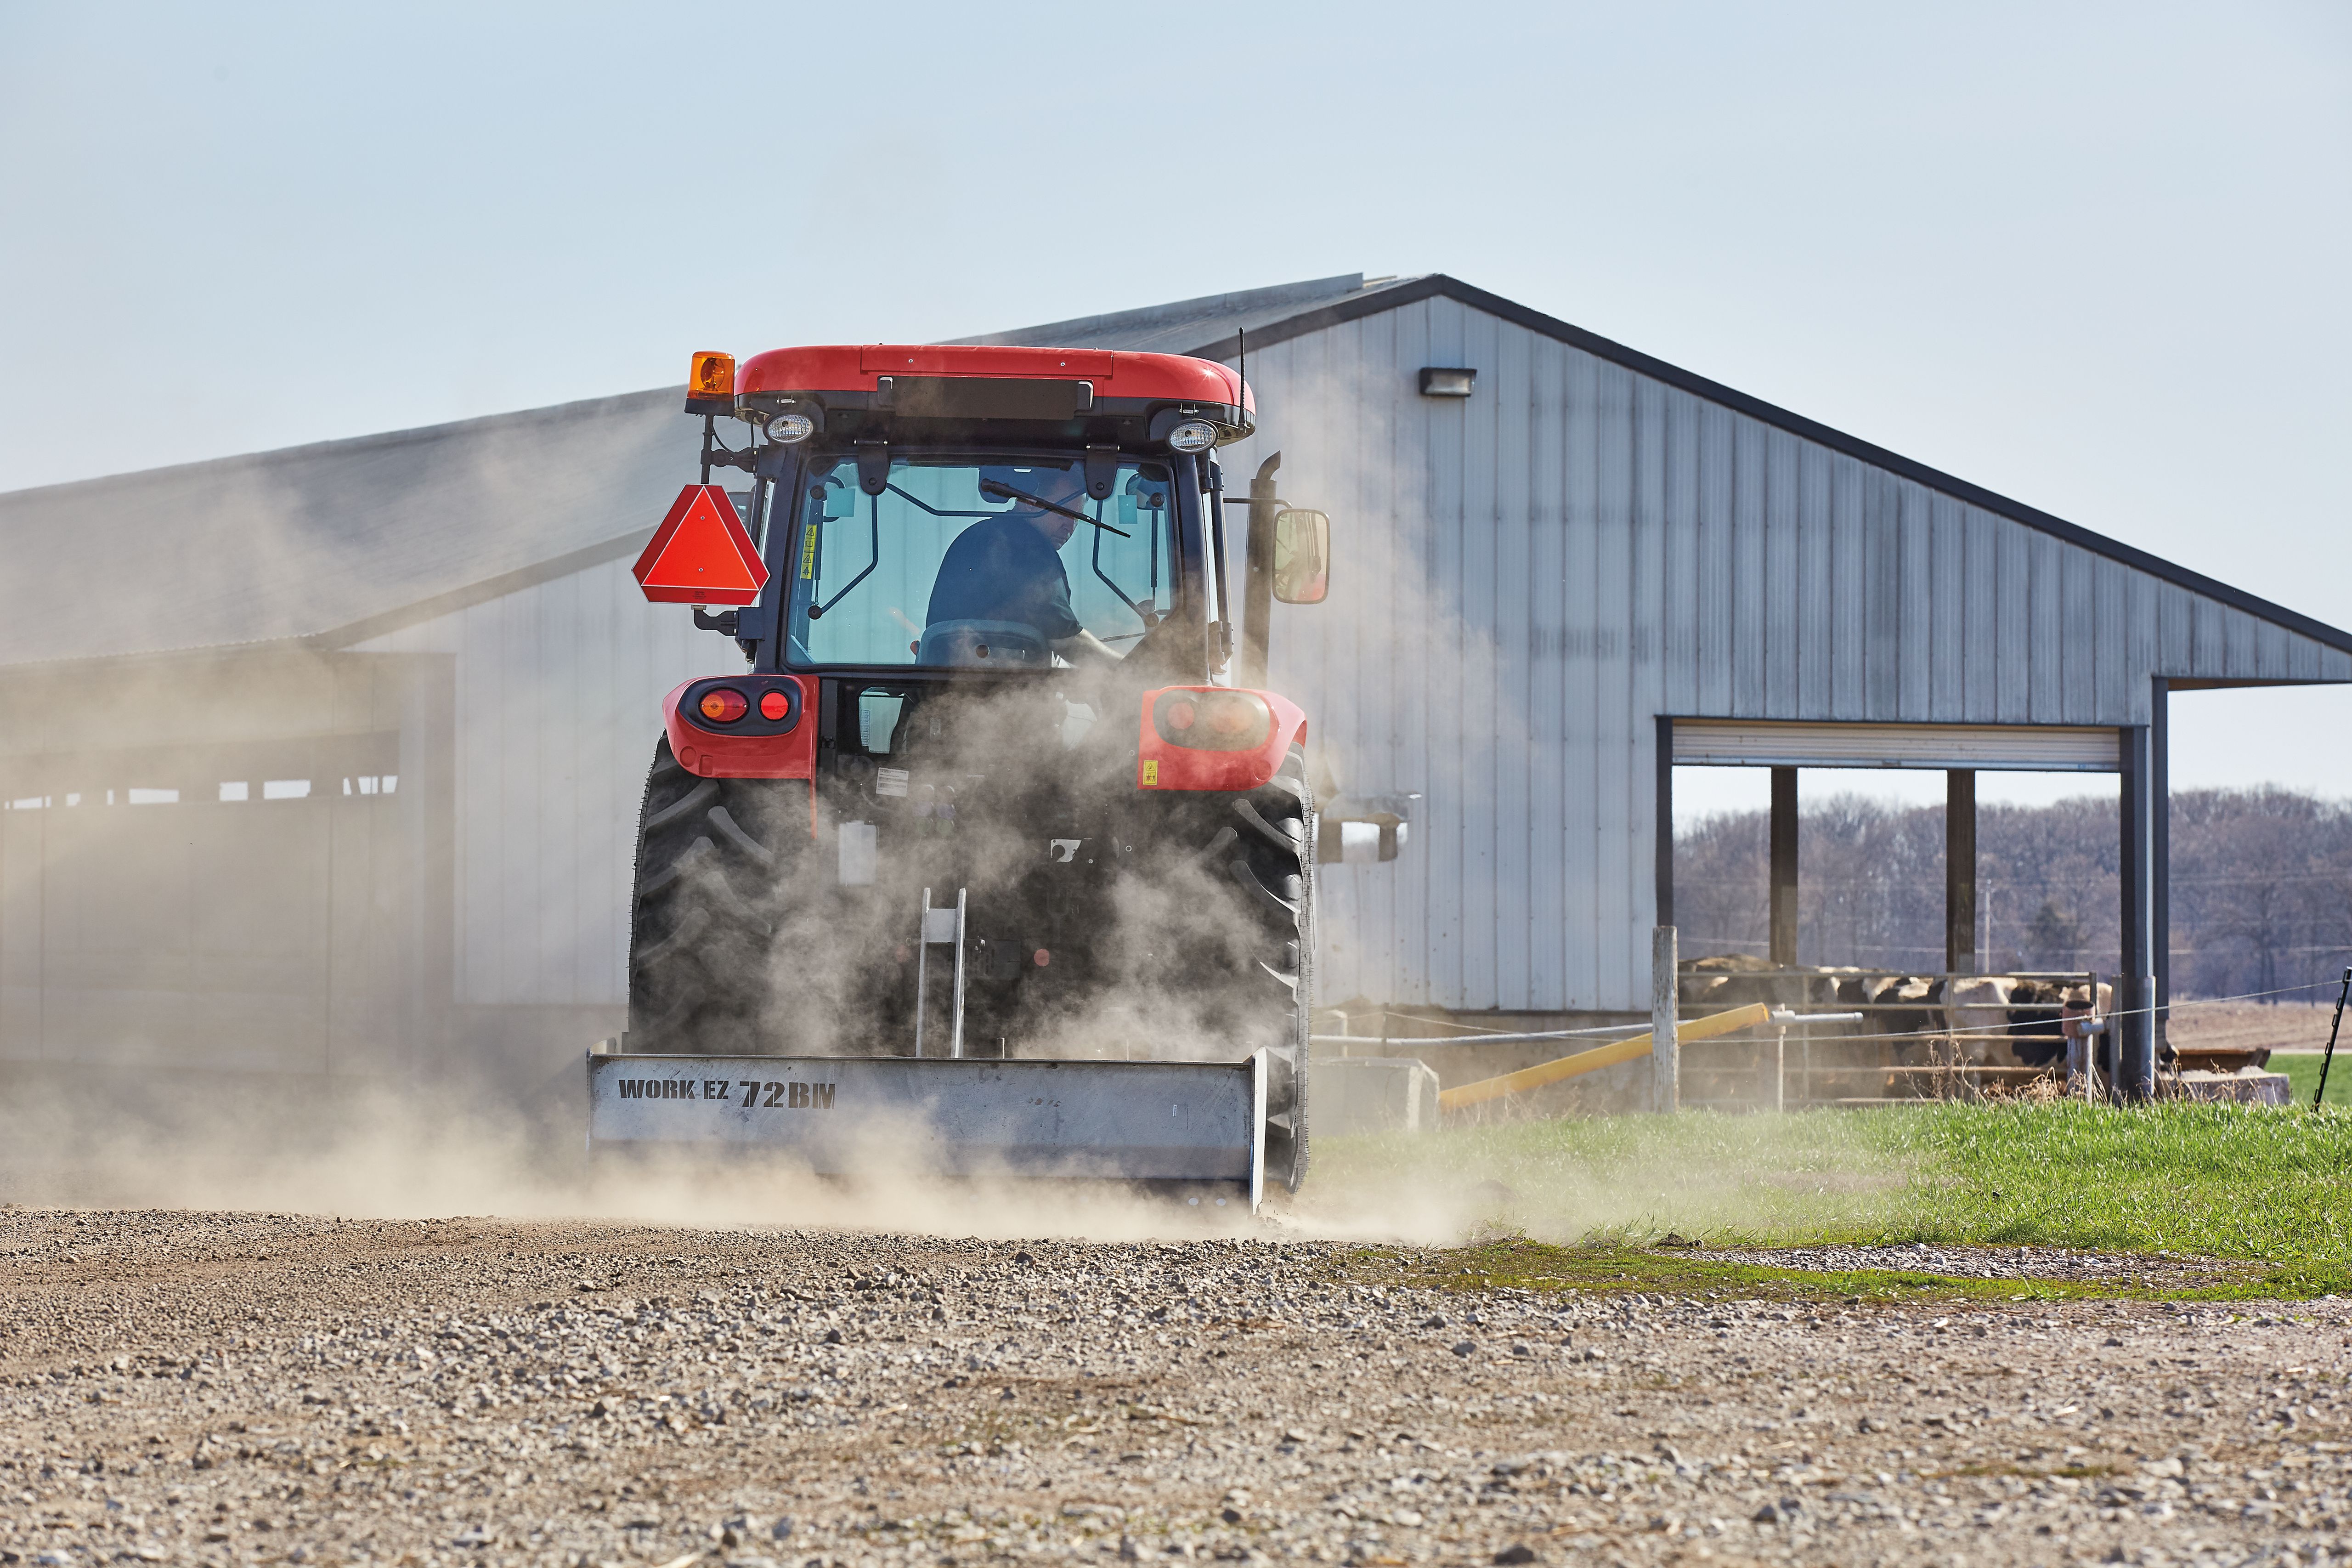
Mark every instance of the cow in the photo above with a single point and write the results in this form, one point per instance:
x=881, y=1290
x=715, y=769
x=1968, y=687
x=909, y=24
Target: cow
x=1735, y=979
x=2018, y=1010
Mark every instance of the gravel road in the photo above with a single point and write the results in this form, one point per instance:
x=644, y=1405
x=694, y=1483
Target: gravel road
x=220, y=1388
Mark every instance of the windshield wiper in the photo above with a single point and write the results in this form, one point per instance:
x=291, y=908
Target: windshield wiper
x=935, y=511
x=1003, y=492
x=818, y=612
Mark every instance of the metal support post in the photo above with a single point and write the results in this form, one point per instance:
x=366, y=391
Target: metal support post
x=940, y=927
x=2083, y=1031
x=1662, y=827
x=955, y=1027
x=2135, y=1054
x=1784, y=866
x=2327, y=1060
x=2098, y=1039
x=2160, y=857
x=1666, y=1049
x=922, y=968
x=2134, y=1030
x=1961, y=871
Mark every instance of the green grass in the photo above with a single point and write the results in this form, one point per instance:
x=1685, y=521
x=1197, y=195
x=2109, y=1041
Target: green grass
x=2303, y=1072
x=2262, y=1188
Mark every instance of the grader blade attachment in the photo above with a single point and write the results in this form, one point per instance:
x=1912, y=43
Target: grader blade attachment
x=1190, y=1128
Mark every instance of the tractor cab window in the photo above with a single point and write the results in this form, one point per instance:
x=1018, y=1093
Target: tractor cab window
x=990, y=562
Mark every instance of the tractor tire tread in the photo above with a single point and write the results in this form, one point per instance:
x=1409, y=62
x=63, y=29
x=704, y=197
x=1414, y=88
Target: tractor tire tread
x=1273, y=863
x=720, y=818
x=1242, y=873
x=1282, y=842
x=684, y=807
x=714, y=858
x=687, y=862
x=681, y=939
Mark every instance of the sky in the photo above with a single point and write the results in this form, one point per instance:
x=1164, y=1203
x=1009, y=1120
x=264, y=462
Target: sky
x=2091, y=256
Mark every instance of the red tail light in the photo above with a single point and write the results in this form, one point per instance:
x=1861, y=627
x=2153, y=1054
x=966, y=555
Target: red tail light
x=774, y=705
x=722, y=705
x=1212, y=719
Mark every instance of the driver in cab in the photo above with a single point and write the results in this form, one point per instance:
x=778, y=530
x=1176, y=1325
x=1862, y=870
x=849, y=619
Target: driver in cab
x=1008, y=567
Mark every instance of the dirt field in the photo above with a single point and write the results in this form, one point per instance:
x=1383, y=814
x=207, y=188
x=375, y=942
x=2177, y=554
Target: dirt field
x=2292, y=1027
x=244, y=1388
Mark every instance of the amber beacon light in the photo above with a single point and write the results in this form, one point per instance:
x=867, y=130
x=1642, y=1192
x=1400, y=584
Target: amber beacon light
x=712, y=375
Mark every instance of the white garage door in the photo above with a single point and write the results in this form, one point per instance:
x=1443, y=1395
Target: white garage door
x=2020, y=748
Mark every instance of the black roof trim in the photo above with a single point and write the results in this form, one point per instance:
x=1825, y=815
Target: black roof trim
x=481, y=593
x=339, y=639
x=1437, y=285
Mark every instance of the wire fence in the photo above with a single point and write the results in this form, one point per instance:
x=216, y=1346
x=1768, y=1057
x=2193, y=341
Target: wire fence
x=1950, y=1036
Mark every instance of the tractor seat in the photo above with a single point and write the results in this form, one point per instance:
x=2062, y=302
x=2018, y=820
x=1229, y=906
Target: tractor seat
x=984, y=644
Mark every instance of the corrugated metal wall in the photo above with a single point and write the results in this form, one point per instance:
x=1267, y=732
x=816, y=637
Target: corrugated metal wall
x=558, y=706
x=224, y=863
x=1527, y=577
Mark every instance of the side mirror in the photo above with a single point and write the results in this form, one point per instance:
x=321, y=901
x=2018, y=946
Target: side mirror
x=1302, y=556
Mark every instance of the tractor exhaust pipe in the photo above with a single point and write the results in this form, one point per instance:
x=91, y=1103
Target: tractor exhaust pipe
x=1257, y=583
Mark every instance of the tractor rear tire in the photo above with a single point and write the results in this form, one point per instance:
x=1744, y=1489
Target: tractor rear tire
x=714, y=859
x=1266, y=844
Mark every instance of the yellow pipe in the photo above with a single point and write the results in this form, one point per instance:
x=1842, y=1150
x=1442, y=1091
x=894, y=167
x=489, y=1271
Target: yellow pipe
x=1607, y=1056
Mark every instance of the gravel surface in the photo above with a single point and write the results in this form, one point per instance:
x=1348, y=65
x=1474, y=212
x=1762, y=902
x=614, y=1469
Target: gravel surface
x=220, y=1388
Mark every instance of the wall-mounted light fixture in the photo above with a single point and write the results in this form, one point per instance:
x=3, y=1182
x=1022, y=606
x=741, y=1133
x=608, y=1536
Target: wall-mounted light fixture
x=1438, y=382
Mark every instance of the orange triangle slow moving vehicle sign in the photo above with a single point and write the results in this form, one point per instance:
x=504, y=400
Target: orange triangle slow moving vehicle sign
x=700, y=554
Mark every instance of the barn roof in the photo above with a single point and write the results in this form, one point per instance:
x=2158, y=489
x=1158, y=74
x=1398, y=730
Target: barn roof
x=1189, y=326
x=308, y=540
x=338, y=541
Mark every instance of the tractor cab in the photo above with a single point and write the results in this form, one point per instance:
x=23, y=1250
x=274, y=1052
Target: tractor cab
x=992, y=511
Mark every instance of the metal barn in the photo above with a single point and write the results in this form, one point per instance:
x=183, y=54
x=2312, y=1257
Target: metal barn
x=410, y=675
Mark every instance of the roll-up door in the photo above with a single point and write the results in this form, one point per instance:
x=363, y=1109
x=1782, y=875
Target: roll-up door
x=2021, y=748
x=241, y=906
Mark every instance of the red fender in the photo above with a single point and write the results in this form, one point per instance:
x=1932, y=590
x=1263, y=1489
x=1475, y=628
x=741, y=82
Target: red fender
x=753, y=747
x=1163, y=763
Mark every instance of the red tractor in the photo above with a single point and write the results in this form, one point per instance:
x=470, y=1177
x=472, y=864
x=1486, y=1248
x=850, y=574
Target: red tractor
x=982, y=842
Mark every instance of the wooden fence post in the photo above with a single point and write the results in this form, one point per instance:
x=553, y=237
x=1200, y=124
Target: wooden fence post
x=1666, y=1055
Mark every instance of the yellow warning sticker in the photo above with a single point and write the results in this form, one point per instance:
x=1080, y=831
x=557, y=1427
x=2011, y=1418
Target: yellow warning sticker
x=808, y=554
x=1152, y=776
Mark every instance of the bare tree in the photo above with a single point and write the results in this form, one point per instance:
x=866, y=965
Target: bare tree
x=2262, y=885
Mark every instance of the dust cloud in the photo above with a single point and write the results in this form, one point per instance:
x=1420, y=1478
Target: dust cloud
x=376, y=1152
x=216, y=992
